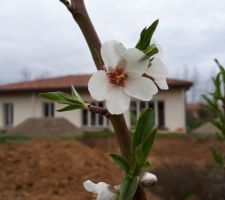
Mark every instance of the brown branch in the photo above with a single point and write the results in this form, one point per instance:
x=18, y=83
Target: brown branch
x=122, y=134
x=99, y=110
x=68, y=5
x=81, y=16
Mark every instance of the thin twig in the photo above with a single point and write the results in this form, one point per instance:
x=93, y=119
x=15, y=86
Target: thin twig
x=99, y=110
x=68, y=5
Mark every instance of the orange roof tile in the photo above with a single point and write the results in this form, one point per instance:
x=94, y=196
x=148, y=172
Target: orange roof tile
x=64, y=82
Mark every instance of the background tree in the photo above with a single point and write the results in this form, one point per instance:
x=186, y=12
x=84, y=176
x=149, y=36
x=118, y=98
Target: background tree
x=216, y=104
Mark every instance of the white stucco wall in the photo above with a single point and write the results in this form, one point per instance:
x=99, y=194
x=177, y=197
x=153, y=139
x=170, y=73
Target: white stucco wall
x=175, y=114
x=22, y=106
x=30, y=105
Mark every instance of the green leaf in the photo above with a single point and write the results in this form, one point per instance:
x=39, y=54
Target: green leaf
x=71, y=107
x=221, y=135
x=145, y=124
x=151, y=50
x=146, y=36
x=128, y=188
x=73, y=101
x=140, y=160
x=148, y=143
x=121, y=161
x=217, y=156
x=221, y=69
x=142, y=151
x=55, y=96
x=217, y=124
x=75, y=93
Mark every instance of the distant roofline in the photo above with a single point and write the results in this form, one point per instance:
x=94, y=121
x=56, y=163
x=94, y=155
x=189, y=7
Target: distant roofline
x=63, y=83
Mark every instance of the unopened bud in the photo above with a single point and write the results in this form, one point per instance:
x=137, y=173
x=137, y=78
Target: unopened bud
x=147, y=179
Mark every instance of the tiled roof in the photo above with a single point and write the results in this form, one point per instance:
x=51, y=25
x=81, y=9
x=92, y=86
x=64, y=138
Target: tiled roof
x=64, y=82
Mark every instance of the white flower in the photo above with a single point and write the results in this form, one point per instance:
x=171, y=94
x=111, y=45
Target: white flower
x=148, y=179
x=158, y=72
x=101, y=189
x=122, y=79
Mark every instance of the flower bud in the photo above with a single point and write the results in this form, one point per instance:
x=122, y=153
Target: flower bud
x=147, y=179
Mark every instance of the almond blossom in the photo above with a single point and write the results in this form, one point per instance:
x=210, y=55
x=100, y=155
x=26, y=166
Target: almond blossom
x=122, y=78
x=101, y=189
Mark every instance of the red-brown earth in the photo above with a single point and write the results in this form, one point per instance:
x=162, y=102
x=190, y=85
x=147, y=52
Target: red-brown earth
x=54, y=169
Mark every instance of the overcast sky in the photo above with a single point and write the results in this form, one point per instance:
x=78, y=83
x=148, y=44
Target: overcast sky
x=41, y=36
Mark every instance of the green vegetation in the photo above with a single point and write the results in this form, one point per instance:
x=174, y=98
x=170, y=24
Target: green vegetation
x=102, y=134
x=195, y=123
x=99, y=134
x=15, y=138
x=216, y=104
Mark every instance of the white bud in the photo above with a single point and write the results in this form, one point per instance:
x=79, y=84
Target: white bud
x=147, y=179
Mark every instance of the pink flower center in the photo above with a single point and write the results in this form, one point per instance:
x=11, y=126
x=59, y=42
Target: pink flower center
x=117, y=77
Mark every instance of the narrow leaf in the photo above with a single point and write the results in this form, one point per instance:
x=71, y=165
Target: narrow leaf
x=128, y=188
x=146, y=36
x=142, y=151
x=151, y=50
x=71, y=107
x=75, y=93
x=145, y=124
x=121, y=161
x=55, y=96
x=217, y=156
x=148, y=143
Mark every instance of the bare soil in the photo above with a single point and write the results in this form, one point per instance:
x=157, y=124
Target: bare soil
x=54, y=169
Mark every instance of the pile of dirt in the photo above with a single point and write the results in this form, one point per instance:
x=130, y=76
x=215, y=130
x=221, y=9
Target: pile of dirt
x=52, y=170
x=183, y=149
x=206, y=128
x=45, y=127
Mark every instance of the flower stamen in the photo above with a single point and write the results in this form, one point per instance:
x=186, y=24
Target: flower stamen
x=117, y=77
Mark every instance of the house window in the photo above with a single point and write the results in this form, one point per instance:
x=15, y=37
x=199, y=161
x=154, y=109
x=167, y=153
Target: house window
x=90, y=119
x=48, y=109
x=161, y=115
x=84, y=117
x=138, y=106
x=8, y=114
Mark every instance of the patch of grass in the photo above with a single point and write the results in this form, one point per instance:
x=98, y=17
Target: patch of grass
x=180, y=135
x=15, y=138
x=171, y=135
x=195, y=123
x=102, y=134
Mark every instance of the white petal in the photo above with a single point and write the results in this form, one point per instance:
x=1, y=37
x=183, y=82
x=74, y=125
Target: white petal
x=161, y=82
x=101, y=186
x=89, y=186
x=136, y=60
x=157, y=69
x=159, y=73
x=140, y=87
x=98, y=85
x=103, y=192
x=117, y=102
x=112, y=53
x=106, y=195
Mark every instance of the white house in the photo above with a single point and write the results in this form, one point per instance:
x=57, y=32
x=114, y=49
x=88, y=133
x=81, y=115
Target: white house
x=20, y=101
